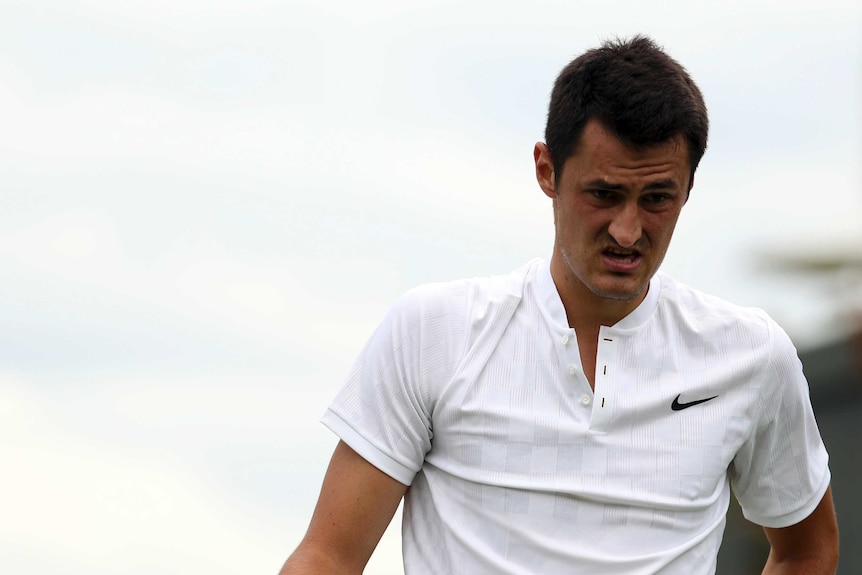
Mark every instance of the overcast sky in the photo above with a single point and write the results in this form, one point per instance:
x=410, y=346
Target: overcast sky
x=208, y=206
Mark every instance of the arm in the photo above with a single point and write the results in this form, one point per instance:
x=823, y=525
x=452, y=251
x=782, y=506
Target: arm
x=357, y=502
x=808, y=548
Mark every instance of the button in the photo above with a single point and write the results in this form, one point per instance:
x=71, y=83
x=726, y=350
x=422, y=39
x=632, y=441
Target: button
x=565, y=339
x=585, y=399
x=572, y=369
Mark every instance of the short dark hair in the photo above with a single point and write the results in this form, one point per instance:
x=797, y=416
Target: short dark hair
x=638, y=92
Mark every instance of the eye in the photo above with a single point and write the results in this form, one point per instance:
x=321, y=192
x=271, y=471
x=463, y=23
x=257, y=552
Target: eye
x=656, y=199
x=603, y=195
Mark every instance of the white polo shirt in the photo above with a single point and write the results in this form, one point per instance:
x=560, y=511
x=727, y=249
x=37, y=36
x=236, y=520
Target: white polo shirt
x=472, y=392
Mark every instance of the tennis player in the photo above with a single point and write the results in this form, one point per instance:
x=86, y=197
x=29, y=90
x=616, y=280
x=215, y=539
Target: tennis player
x=584, y=414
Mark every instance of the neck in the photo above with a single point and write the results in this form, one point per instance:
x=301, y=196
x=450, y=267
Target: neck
x=585, y=310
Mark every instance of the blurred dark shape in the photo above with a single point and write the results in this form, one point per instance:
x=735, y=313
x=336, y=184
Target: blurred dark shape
x=814, y=260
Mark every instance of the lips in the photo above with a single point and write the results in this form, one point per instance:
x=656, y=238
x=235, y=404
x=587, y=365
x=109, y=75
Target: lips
x=621, y=261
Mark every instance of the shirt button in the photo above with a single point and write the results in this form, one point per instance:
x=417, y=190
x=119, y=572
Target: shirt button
x=585, y=399
x=565, y=339
x=572, y=369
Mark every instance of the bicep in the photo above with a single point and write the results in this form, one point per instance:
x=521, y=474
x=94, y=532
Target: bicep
x=815, y=538
x=356, y=504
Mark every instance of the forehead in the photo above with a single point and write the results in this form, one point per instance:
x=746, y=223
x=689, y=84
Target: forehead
x=603, y=152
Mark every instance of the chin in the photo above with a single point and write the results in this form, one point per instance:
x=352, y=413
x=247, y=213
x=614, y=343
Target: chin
x=618, y=296
x=620, y=293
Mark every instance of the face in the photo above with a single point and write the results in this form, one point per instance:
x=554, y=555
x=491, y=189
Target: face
x=615, y=209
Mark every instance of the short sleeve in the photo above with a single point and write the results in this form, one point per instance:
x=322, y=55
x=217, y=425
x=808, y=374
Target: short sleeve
x=781, y=473
x=384, y=409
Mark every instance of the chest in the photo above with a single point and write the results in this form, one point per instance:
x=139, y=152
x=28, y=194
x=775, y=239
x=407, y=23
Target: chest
x=528, y=416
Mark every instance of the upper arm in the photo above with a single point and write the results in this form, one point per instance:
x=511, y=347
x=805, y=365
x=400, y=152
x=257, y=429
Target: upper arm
x=356, y=504
x=813, y=540
x=781, y=470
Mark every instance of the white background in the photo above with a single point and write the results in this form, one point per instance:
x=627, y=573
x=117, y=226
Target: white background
x=207, y=206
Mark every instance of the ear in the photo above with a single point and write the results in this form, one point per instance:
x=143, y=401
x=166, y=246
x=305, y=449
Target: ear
x=544, y=169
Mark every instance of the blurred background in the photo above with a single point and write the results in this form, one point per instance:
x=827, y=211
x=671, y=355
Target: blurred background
x=208, y=206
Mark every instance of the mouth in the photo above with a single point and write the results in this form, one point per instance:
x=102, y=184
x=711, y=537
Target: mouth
x=621, y=255
x=620, y=260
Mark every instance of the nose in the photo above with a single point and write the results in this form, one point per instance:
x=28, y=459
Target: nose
x=625, y=227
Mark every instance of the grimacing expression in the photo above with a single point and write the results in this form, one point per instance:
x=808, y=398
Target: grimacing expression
x=615, y=209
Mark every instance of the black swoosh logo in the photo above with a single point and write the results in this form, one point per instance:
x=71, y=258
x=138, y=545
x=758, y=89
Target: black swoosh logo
x=677, y=406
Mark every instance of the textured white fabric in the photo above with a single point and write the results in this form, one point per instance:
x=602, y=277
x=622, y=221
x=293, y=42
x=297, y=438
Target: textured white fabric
x=472, y=393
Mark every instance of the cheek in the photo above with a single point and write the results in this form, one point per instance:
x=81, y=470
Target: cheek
x=660, y=229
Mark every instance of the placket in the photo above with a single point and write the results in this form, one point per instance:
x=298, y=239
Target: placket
x=604, y=389
x=578, y=388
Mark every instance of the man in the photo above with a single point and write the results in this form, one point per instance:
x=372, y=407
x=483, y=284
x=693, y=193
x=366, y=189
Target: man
x=587, y=414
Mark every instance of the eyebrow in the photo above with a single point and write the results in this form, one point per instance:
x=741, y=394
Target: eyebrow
x=603, y=184
x=606, y=185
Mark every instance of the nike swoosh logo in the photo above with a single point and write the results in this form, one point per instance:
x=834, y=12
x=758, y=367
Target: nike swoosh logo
x=677, y=406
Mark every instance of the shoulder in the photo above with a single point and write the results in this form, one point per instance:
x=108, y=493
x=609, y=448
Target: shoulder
x=468, y=299
x=431, y=327
x=699, y=307
x=717, y=323
x=746, y=338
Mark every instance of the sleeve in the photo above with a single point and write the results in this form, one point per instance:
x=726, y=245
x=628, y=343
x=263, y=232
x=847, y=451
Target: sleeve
x=384, y=409
x=781, y=473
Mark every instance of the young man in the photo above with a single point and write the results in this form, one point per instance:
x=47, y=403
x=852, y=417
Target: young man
x=587, y=414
